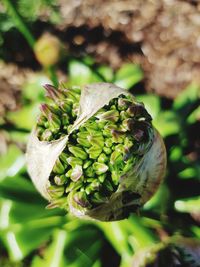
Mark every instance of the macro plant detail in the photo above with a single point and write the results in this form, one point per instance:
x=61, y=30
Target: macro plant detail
x=95, y=153
x=152, y=52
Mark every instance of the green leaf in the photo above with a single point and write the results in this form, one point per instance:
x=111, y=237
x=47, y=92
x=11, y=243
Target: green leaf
x=190, y=205
x=83, y=247
x=106, y=72
x=12, y=162
x=189, y=172
x=128, y=75
x=175, y=153
x=26, y=117
x=188, y=100
x=25, y=226
x=152, y=104
x=194, y=116
x=167, y=123
x=33, y=89
x=79, y=248
x=53, y=256
x=117, y=236
x=80, y=74
x=160, y=201
x=19, y=189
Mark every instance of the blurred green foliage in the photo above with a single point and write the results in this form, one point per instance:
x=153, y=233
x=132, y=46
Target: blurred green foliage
x=46, y=237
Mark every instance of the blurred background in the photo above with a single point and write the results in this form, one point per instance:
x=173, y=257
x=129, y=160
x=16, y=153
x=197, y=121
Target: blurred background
x=151, y=48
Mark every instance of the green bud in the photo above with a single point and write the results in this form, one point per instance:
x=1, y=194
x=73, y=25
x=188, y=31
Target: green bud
x=47, y=135
x=39, y=132
x=113, y=107
x=66, y=105
x=68, y=173
x=90, y=172
x=102, y=158
x=53, y=93
x=55, y=191
x=88, y=189
x=120, y=148
x=118, y=136
x=92, y=127
x=74, y=161
x=75, y=108
x=115, y=177
x=90, y=179
x=137, y=110
x=58, y=203
x=81, y=199
x=54, y=109
x=78, y=152
x=83, y=133
x=60, y=180
x=96, y=141
x=76, y=90
x=108, y=142
x=115, y=156
x=94, y=151
x=69, y=128
x=108, y=186
x=58, y=168
x=63, y=157
x=128, y=143
x=107, y=150
x=123, y=115
x=87, y=164
x=123, y=104
x=98, y=199
x=100, y=168
x=44, y=108
x=107, y=132
x=111, y=115
x=70, y=94
x=83, y=142
x=41, y=120
x=92, y=187
x=76, y=173
x=102, y=177
x=46, y=124
x=127, y=124
x=65, y=119
x=54, y=122
x=101, y=124
x=74, y=186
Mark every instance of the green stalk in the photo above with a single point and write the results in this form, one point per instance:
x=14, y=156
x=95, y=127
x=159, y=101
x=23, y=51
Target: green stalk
x=53, y=76
x=21, y=26
x=58, y=248
x=142, y=235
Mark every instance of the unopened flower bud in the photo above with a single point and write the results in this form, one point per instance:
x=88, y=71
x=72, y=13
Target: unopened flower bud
x=97, y=154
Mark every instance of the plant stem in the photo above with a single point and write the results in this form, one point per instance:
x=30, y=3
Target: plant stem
x=143, y=236
x=21, y=26
x=53, y=76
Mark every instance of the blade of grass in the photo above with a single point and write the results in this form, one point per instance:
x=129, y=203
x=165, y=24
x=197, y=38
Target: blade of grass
x=21, y=26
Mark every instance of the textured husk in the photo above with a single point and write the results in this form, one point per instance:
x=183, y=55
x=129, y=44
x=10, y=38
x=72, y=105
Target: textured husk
x=41, y=155
x=94, y=97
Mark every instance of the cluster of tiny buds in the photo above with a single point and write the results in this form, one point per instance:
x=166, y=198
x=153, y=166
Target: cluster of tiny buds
x=103, y=148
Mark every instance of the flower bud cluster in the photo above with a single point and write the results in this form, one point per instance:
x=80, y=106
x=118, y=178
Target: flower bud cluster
x=98, y=153
x=57, y=116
